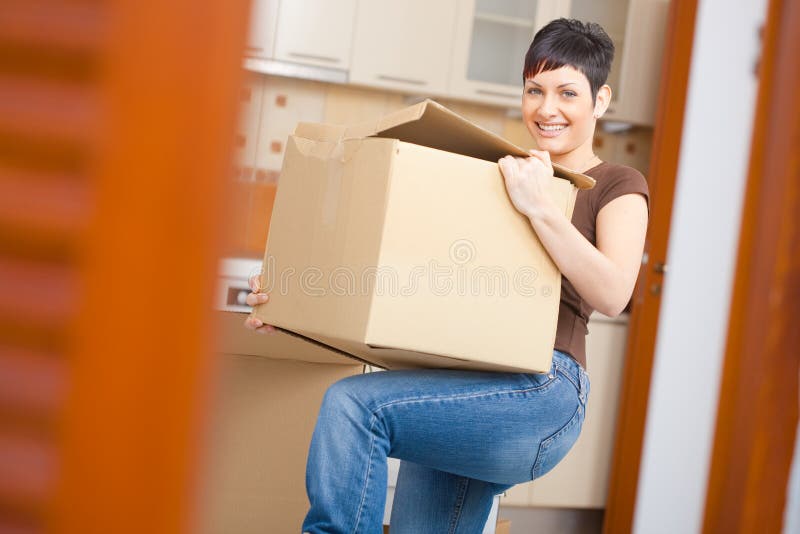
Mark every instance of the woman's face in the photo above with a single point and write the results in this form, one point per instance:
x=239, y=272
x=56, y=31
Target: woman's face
x=558, y=109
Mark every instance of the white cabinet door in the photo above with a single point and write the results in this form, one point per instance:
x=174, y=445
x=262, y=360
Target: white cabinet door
x=640, y=68
x=637, y=28
x=490, y=43
x=403, y=46
x=315, y=32
x=263, y=21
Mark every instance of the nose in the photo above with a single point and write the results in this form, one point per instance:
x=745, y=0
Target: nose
x=548, y=106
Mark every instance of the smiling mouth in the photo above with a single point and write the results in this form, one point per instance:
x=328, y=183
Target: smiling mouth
x=550, y=127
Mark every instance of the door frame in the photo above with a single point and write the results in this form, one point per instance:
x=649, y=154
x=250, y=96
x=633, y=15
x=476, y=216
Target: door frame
x=646, y=302
x=757, y=414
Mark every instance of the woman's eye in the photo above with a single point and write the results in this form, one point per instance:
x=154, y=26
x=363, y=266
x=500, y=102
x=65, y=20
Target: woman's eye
x=534, y=91
x=570, y=94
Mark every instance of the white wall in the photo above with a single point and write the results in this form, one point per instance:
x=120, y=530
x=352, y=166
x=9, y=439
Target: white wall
x=791, y=515
x=701, y=255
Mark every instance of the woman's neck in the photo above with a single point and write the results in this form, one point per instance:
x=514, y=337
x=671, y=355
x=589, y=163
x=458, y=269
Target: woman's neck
x=580, y=160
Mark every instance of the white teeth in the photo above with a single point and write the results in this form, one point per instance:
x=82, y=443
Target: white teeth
x=551, y=127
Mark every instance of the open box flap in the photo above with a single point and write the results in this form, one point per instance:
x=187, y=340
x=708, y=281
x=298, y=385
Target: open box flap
x=433, y=125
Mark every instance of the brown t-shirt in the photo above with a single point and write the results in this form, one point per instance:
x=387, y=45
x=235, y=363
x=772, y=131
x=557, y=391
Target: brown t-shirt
x=573, y=313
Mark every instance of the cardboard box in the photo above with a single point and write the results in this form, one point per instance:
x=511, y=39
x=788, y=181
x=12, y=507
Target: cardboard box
x=396, y=242
x=264, y=413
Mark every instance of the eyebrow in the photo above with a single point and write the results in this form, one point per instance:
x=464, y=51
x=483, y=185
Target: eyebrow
x=559, y=87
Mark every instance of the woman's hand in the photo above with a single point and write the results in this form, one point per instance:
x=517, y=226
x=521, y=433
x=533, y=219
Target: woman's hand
x=527, y=181
x=253, y=299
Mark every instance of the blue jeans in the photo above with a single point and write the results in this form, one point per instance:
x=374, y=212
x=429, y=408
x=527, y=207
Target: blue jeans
x=462, y=437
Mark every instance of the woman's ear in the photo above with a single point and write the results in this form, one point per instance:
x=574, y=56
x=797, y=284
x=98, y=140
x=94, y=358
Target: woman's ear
x=602, y=101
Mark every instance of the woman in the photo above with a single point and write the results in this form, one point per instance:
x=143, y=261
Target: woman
x=465, y=436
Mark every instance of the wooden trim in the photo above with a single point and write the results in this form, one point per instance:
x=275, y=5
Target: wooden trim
x=155, y=161
x=758, y=409
x=646, y=300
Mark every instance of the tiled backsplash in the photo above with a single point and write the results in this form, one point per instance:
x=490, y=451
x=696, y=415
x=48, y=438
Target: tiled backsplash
x=272, y=106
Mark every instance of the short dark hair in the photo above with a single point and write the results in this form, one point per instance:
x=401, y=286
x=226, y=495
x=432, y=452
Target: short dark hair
x=584, y=46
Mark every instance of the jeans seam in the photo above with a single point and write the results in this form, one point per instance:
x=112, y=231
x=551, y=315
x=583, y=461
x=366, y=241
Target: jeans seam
x=546, y=443
x=569, y=377
x=366, y=478
x=456, y=397
x=459, y=505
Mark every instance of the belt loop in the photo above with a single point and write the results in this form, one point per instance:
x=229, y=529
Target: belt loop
x=584, y=382
x=553, y=366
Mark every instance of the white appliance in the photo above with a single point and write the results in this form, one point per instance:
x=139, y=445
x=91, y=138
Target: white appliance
x=232, y=288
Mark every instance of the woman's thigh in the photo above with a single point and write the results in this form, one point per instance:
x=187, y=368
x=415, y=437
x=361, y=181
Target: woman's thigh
x=482, y=425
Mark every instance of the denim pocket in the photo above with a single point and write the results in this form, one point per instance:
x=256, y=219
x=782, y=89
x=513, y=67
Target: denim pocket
x=541, y=380
x=554, y=448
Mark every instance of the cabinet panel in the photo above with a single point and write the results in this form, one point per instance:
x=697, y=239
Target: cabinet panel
x=640, y=68
x=490, y=44
x=263, y=22
x=315, y=32
x=404, y=46
x=637, y=29
x=612, y=15
x=519, y=495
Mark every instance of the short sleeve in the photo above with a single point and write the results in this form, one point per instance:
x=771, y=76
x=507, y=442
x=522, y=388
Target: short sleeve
x=623, y=181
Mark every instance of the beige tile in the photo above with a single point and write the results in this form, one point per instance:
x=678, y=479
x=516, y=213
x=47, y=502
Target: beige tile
x=285, y=102
x=244, y=154
x=631, y=147
x=347, y=105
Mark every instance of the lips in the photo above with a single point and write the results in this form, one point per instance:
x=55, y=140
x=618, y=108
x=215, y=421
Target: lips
x=550, y=129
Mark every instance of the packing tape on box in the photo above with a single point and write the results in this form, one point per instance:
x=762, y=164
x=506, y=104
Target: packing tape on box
x=335, y=156
x=333, y=186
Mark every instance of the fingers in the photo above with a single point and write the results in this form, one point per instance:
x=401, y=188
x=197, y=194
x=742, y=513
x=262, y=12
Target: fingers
x=255, y=324
x=255, y=283
x=542, y=155
x=254, y=299
x=509, y=166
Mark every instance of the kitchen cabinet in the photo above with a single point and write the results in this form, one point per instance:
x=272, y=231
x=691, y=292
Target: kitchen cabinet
x=315, y=32
x=404, y=46
x=492, y=37
x=490, y=42
x=637, y=28
x=580, y=480
x=263, y=23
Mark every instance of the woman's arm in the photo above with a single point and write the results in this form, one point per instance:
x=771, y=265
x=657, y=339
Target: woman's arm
x=603, y=276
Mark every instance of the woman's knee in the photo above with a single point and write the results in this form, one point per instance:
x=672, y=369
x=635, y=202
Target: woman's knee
x=345, y=395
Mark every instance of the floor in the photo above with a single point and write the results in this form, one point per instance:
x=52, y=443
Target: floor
x=552, y=520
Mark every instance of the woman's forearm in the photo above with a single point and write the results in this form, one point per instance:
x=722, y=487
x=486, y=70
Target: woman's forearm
x=597, y=279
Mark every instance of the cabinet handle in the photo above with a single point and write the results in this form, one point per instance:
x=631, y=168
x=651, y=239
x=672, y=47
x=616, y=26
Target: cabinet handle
x=318, y=58
x=401, y=80
x=496, y=93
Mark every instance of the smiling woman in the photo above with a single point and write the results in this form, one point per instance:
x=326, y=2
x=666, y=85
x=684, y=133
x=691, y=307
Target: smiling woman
x=465, y=436
x=599, y=250
x=566, y=91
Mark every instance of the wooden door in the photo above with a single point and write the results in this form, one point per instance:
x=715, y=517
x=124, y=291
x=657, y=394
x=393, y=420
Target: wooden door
x=646, y=301
x=758, y=405
x=116, y=126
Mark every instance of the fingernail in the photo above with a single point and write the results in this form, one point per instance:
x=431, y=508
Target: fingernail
x=263, y=297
